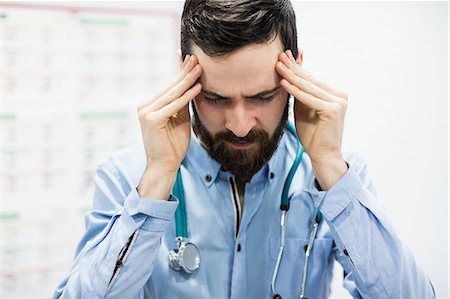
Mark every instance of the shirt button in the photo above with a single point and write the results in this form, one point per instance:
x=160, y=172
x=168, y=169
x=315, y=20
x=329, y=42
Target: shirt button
x=238, y=247
x=346, y=252
x=208, y=178
x=272, y=175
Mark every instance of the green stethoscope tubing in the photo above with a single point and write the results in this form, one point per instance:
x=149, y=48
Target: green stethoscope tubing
x=180, y=214
x=298, y=158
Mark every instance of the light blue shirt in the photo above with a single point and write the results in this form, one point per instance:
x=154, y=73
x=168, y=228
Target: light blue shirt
x=238, y=255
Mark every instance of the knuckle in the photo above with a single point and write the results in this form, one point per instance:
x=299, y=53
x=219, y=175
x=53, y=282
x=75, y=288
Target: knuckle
x=171, y=94
x=189, y=92
x=185, y=95
x=303, y=81
x=334, y=108
x=309, y=77
x=342, y=103
x=341, y=94
x=151, y=118
x=187, y=77
x=142, y=105
x=345, y=96
x=172, y=83
x=141, y=114
x=184, y=82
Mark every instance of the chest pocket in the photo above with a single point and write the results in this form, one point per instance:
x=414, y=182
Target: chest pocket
x=290, y=272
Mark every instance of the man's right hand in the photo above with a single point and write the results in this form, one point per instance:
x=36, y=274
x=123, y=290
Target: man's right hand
x=165, y=127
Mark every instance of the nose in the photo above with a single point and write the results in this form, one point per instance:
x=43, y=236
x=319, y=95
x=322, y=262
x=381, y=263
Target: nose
x=240, y=120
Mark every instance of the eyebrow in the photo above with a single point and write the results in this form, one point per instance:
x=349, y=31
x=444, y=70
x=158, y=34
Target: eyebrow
x=258, y=95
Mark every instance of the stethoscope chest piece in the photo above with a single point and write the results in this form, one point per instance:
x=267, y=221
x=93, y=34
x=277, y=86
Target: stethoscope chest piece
x=186, y=257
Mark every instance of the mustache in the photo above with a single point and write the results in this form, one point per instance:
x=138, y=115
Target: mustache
x=255, y=135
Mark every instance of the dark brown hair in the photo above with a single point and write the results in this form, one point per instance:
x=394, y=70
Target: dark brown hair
x=220, y=27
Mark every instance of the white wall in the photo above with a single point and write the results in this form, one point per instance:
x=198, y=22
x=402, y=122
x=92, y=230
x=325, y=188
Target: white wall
x=392, y=59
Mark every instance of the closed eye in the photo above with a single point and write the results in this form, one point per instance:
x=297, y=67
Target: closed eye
x=214, y=101
x=264, y=99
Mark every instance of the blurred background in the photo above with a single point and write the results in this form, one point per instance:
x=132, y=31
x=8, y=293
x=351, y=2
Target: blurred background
x=73, y=73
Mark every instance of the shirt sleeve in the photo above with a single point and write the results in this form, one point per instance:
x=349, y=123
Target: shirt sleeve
x=122, y=238
x=376, y=262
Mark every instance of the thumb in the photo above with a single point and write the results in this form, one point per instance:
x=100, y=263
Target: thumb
x=184, y=114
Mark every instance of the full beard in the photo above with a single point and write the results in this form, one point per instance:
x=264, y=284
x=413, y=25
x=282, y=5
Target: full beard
x=242, y=163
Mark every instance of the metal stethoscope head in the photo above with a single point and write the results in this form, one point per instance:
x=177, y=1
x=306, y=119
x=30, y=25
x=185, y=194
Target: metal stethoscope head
x=186, y=257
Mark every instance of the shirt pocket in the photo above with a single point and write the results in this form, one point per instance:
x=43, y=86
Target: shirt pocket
x=290, y=272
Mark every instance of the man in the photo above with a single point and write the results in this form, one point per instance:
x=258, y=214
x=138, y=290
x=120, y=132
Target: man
x=240, y=64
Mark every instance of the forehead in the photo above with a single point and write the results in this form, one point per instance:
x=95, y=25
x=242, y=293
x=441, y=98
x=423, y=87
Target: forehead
x=248, y=70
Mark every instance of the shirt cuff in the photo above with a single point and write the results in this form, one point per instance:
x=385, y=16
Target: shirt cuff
x=334, y=201
x=163, y=209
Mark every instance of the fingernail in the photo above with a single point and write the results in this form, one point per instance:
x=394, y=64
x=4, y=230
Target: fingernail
x=288, y=61
x=185, y=61
x=290, y=54
x=188, y=60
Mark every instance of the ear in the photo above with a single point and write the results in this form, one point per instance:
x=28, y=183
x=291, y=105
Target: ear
x=300, y=56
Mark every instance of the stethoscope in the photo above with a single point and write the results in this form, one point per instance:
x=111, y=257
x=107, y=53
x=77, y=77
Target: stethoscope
x=187, y=255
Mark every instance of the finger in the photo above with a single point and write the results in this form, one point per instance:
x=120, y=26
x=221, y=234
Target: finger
x=300, y=71
x=178, y=90
x=179, y=103
x=189, y=63
x=185, y=61
x=186, y=67
x=289, y=54
x=180, y=58
x=299, y=59
x=307, y=99
x=301, y=83
x=287, y=68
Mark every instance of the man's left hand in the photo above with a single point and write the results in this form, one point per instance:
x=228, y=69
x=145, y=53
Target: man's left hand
x=319, y=112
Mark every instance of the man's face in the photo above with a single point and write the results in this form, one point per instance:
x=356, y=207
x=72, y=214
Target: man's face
x=242, y=110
